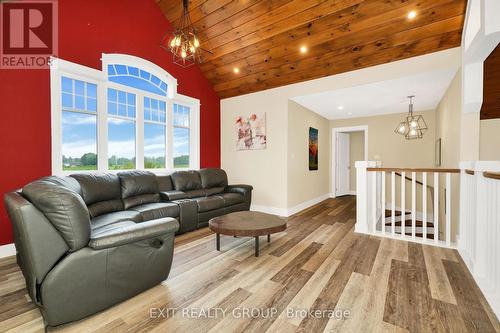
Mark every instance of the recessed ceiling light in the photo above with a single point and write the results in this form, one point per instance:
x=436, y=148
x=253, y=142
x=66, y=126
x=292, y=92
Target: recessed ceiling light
x=412, y=15
x=340, y=107
x=236, y=70
x=303, y=49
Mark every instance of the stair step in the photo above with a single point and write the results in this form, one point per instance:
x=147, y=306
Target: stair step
x=388, y=213
x=408, y=223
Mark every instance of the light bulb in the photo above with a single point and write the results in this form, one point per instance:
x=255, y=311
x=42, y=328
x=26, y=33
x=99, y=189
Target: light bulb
x=413, y=124
x=412, y=15
x=177, y=41
x=172, y=42
x=413, y=132
x=402, y=129
x=192, y=49
x=196, y=42
x=183, y=54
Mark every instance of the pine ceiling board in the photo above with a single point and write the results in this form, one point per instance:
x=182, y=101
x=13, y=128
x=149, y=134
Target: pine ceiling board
x=240, y=18
x=350, y=19
x=262, y=37
x=491, y=91
x=284, y=18
x=348, y=62
x=321, y=38
x=172, y=9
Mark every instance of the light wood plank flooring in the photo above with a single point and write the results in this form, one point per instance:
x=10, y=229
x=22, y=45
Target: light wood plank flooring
x=352, y=282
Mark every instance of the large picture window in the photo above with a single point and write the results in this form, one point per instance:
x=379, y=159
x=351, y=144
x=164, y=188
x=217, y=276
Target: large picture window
x=128, y=116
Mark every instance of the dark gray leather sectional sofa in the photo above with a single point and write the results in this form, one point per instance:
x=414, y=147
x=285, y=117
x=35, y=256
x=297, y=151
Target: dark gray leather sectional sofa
x=89, y=241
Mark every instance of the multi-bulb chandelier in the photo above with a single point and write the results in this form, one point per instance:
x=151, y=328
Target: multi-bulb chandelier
x=413, y=126
x=183, y=42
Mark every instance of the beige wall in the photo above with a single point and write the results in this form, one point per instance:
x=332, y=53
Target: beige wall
x=356, y=153
x=264, y=169
x=449, y=118
x=448, y=123
x=393, y=149
x=490, y=140
x=303, y=184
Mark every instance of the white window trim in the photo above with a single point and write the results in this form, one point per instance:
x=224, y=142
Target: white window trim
x=60, y=67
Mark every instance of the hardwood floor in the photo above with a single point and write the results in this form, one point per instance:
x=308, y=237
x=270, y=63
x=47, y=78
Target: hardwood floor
x=353, y=282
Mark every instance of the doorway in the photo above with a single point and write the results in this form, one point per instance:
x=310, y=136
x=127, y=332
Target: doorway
x=349, y=145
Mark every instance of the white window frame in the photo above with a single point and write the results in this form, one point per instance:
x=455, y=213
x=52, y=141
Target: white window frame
x=60, y=67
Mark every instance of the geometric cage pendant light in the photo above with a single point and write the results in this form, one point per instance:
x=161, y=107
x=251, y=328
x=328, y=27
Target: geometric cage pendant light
x=183, y=42
x=413, y=126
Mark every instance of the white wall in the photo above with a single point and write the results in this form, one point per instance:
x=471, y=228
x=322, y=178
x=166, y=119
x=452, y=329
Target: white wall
x=267, y=170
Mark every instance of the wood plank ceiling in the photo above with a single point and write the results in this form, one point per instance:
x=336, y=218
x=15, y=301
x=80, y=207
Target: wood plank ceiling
x=262, y=38
x=491, y=87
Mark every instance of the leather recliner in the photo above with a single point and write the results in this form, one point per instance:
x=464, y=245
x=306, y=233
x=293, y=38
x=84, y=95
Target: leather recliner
x=89, y=241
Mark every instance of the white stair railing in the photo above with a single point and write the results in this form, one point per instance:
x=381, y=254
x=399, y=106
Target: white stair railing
x=479, y=235
x=373, y=202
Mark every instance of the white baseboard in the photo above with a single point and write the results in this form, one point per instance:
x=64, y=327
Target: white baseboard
x=289, y=211
x=270, y=210
x=7, y=250
x=307, y=204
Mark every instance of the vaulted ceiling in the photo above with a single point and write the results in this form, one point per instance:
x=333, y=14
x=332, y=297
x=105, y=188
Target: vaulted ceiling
x=263, y=38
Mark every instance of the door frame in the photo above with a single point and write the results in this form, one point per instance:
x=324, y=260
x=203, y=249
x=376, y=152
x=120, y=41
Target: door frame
x=361, y=128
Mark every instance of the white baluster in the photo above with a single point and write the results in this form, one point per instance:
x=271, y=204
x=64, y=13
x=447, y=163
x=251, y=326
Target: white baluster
x=383, y=202
x=403, y=203
x=374, y=200
x=448, y=208
x=424, y=205
x=413, y=203
x=393, y=207
x=436, y=207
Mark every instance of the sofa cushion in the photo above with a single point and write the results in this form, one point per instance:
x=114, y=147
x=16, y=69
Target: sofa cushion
x=152, y=211
x=196, y=194
x=98, y=231
x=214, y=190
x=164, y=183
x=231, y=198
x=63, y=207
x=172, y=195
x=206, y=204
x=114, y=217
x=138, y=187
x=213, y=178
x=186, y=180
x=100, y=191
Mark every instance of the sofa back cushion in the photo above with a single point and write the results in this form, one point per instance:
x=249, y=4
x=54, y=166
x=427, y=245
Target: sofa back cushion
x=186, y=180
x=138, y=187
x=164, y=183
x=63, y=207
x=101, y=192
x=211, y=178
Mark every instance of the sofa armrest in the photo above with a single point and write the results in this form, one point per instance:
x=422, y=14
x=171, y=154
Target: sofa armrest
x=134, y=233
x=240, y=188
x=172, y=195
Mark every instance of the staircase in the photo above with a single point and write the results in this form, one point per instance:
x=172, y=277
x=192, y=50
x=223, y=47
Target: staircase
x=413, y=204
x=408, y=224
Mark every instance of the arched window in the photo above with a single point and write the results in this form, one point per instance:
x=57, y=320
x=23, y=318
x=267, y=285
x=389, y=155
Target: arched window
x=127, y=116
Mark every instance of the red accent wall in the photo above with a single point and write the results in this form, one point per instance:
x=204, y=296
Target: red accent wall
x=88, y=28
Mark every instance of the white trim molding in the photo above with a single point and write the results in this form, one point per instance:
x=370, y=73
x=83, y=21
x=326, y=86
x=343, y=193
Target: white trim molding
x=60, y=68
x=335, y=131
x=286, y=212
x=7, y=250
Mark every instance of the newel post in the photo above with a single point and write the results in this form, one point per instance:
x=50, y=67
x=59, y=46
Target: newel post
x=364, y=195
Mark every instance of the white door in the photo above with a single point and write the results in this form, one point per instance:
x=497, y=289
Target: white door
x=343, y=168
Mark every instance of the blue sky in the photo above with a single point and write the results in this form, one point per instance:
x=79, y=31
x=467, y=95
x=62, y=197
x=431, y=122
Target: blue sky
x=79, y=137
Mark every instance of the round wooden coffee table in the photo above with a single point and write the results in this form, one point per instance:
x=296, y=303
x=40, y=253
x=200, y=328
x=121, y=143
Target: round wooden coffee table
x=247, y=224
